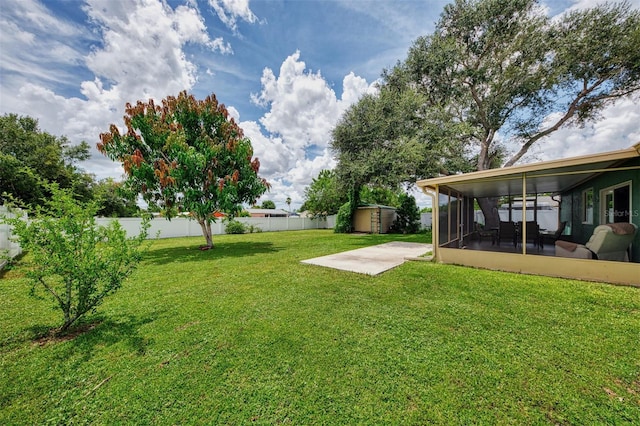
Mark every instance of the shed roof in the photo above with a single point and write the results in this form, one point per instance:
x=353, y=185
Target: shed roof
x=549, y=176
x=375, y=206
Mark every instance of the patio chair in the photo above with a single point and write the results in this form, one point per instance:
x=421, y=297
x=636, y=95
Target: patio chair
x=507, y=232
x=533, y=233
x=480, y=232
x=551, y=237
x=608, y=242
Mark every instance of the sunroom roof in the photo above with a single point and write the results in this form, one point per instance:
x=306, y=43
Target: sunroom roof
x=545, y=177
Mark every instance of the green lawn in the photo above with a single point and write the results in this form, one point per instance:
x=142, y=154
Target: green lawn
x=246, y=334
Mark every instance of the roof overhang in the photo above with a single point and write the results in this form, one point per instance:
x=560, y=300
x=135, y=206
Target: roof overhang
x=554, y=176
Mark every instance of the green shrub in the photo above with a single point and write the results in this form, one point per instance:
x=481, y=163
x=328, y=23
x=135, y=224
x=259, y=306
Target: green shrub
x=235, y=227
x=407, y=216
x=251, y=229
x=70, y=258
x=344, y=219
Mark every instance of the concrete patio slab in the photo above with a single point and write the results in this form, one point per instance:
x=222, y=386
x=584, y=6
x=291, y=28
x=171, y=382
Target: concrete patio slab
x=372, y=260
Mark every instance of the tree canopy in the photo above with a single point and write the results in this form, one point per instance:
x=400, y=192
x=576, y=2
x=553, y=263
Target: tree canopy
x=494, y=78
x=515, y=76
x=268, y=204
x=322, y=196
x=186, y=155
x=29, y=158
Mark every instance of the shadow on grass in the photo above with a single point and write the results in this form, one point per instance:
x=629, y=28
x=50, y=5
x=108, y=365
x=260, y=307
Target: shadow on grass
x=88, y=333
x=168, y=255
x=107, y=332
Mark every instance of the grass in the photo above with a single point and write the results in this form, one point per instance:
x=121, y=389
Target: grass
x=246, y=334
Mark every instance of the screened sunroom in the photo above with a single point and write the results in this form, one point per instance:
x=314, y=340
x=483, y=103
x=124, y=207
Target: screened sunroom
x=593, y=190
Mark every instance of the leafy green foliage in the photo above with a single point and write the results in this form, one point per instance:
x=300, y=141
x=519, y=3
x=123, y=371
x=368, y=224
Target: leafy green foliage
x=186, y=154
x=113, y=200
x=29, y=158
x=505, y=74
x=380, y=195
x=407, y=216
x=390, y=138
x=268, y=204
x=235, y=227
x=323, y=196
x=344, y=219
x=503, y=67
x=71, y=259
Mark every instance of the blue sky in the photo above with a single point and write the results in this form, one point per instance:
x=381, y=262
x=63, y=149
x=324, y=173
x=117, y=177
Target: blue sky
x=286, y=69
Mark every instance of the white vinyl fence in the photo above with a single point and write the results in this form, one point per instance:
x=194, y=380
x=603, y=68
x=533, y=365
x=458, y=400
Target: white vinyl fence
x=183, y=227
x=426, y=220
x=7, y=246
x=179, y=227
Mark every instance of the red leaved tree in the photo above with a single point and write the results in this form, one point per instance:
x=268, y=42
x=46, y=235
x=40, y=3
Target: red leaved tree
x=186, y=155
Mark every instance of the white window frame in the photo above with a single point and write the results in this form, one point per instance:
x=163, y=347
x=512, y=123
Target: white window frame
x=604, y=214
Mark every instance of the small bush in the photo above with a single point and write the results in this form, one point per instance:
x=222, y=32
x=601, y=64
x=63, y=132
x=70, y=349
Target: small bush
x=407, y=216
x=344, y=219
x=71, y=259
x=251, y=229
x=235, y=227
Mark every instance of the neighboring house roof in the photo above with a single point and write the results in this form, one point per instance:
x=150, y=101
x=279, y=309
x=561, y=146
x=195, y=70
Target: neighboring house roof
x=544, y=177
x=268, y=212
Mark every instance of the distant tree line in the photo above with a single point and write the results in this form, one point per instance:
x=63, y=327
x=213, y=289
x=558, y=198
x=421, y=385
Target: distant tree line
x=31, y=159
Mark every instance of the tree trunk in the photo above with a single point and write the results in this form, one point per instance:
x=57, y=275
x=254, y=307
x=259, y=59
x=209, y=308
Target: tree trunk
x=489, y=207
x=206, y=231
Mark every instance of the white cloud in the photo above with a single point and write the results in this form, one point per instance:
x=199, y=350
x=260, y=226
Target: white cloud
x=37, y=17
x=230, y=10
x=303, y=109
x=587, y=4
x=26, y=55
x=138, y=55
x=617, y=129
x=146, y=41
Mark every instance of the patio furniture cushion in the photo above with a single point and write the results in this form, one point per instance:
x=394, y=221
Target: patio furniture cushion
x=608, y=242
x=622, y=228
x=567, y=245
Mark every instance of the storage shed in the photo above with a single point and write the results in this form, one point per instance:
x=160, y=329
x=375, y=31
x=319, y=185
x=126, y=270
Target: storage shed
x=373, y=219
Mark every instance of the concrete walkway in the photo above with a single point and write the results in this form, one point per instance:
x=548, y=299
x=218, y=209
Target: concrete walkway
x=372, y=260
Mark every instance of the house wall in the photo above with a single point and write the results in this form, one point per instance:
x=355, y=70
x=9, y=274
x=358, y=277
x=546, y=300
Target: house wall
x=571, y=205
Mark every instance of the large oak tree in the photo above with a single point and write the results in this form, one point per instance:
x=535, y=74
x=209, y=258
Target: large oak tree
x=186, y=155
x=503, y=74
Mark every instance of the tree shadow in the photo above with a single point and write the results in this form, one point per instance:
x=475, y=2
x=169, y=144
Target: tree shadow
x=107, y=332
x=184, y=254
x=88, y=333
x=100, y=333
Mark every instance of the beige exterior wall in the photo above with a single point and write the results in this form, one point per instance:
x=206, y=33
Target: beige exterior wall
x=362, y=220
x=374, y=220
x=581, y=269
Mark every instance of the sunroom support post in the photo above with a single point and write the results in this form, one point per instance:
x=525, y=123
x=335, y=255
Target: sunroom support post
x=523, y=227
x=435, y=223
